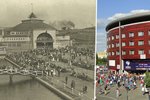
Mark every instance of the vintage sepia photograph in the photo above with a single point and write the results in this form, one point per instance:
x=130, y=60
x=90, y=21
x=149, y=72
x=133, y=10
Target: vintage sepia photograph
x=123, y=50
x=47, y=49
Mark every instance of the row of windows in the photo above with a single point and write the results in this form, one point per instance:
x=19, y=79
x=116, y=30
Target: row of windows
x=18, y=33
x=131, y=43
x=131, y=52
x=14, y=38
x=131, y=34
x=13, y=44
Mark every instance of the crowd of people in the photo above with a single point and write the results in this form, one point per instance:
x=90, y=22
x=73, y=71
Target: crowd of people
x=128, y=81
x=46, y=60
x=70, y=55
x=40, y=59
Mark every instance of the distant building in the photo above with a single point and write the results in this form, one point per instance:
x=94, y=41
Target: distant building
x=82, y=38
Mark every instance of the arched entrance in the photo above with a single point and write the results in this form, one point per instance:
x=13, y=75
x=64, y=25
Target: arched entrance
x=44, y=40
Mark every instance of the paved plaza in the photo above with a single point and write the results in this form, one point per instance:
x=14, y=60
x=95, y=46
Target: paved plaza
x=132, y=94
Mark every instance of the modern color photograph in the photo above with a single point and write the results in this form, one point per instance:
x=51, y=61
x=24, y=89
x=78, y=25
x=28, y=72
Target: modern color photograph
x=123, y=50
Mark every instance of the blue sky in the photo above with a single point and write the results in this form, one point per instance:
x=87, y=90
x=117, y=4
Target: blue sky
x=108, y=10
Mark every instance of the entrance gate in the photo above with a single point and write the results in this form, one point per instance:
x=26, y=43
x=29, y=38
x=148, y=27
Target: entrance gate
x=44, y=40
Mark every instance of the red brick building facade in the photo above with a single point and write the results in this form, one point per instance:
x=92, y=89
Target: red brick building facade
x=128, y=42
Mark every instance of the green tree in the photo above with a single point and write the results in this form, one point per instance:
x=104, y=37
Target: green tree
x=103, y=61
x=147, y=79
x=97, y=59
x=100, y=61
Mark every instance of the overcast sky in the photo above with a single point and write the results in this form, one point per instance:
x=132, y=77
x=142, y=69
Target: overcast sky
x=109, y=10
x=81, y=12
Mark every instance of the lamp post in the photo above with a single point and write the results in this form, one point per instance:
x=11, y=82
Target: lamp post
x=120, y=46
x=120, y=56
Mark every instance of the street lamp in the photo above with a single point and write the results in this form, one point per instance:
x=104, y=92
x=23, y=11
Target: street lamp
x=120, y=47
x=120, y=57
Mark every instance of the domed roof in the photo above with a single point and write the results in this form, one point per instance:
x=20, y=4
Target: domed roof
x=31, y=24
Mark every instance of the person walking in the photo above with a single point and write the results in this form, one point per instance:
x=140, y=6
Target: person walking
x=52, y=72
x=101, y=81
x=72, y=85
x=134, y=84
x=143, y=90
x=117, y=93
x=59, y=70
x=105, y=89
x=66, y=79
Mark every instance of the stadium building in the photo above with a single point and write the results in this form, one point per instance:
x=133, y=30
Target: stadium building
x=128, y=43
x=32, y=33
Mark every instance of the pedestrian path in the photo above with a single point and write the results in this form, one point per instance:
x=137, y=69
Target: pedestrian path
x=59, y=82
x=131, y=95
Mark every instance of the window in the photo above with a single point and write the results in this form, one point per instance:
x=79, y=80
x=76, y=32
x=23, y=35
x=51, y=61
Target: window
x=117, y=44
x=112, y=45
x=149, y=51
x=109, y=38
x=113, y=53
x=149, y=32
x=141, y=52
x=108, y=46
x=140, y=33
x=131, y=52
x=117, y=36
x=13, y=44
x=141, y=42
x=148, y=42
x=131, y=43
x=117, y=53
x=131, y=34
x=9, y=44
x=123, y=35
x=18, y=44
x=123, y=44
x=112, y=37
x=12, y=33
x=123, y=52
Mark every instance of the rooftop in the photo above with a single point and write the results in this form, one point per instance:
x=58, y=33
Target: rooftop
x=140, y=17
x=32, y=23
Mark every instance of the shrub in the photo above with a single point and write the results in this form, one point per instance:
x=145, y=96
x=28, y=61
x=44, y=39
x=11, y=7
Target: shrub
x=147, y=79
